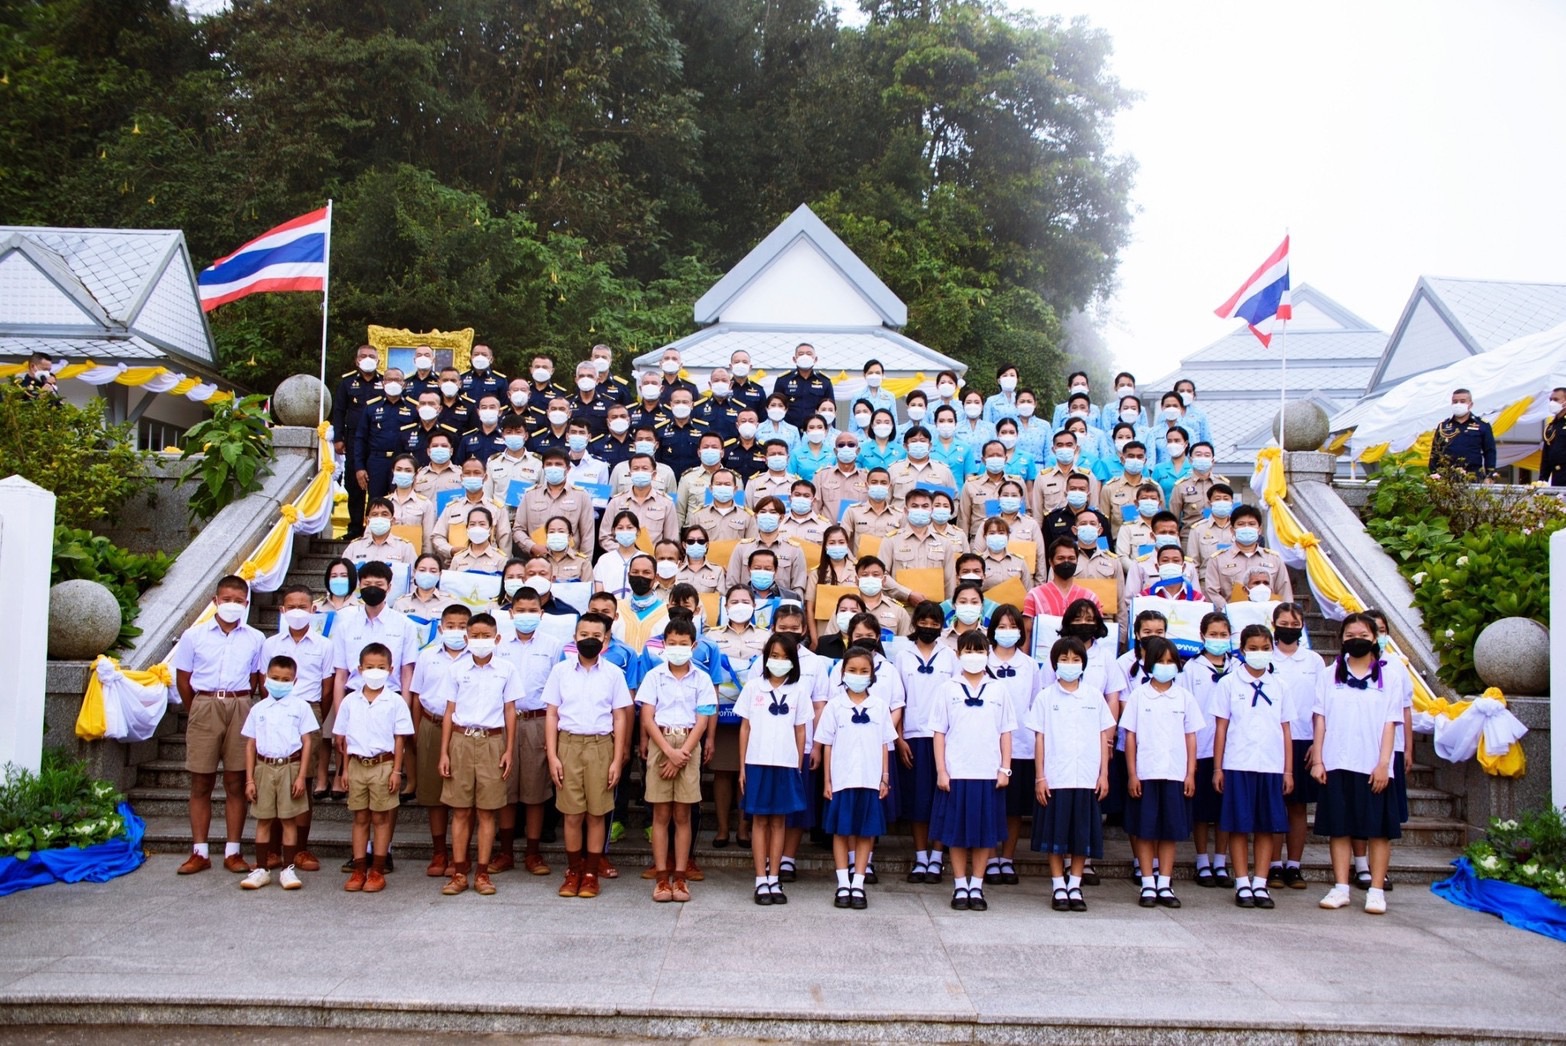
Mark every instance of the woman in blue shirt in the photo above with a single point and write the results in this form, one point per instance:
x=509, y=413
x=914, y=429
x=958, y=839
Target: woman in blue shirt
x=775, y=427
x=812, y=453
x=947, y=447
x=879, y=449
x=874, y=394
x=972, y=429
x=1004, y=403
x=1033, y=432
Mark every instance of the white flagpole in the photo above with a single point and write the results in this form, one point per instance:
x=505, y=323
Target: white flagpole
x=1283, y=370
x=326, y=293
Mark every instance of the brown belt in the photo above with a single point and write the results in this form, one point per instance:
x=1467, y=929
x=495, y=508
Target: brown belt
x=223, y=695
x=269, y=761
x=537, y=713
x=479, y=731
x=372, y=760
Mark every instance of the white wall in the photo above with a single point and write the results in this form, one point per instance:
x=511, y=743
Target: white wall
x=801, y=288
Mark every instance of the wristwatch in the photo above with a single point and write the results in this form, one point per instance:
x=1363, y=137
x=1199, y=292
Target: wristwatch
x=1006, y=770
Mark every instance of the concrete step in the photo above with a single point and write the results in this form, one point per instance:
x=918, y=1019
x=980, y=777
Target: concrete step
x=1432, y=803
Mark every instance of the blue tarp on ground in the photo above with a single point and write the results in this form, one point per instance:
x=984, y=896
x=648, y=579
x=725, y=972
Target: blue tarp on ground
x=1521, y=906
x=97, y=863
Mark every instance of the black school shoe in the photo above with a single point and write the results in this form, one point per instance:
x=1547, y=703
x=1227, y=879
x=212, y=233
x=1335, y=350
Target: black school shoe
x=1167, y=899
x=960, y=900
x=976, y=901
x=1206, y=879
x=1076, y=901
x=870, y=877
x=916, y=873
x=857, y=900
x=1362, y=880
x=1089, y=876
x=1009, y=875
x=1061, y=901
x=1294, y=878
x=1262, y=899
x=842, y=898
x=763, y=895
x=1223, y=877
x=786, y=874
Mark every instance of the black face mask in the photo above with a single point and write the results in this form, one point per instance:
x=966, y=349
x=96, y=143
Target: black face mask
x=641, y=585
x=1084, y=632
x=927, y=635
x=1067, y=570
x=1359, y=647
x=589, y=648
x=371, y=596
x=1286, y=635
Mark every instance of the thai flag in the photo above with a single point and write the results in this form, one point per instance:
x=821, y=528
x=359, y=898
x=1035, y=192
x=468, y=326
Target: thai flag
x=291, y=257
x=1264, y=297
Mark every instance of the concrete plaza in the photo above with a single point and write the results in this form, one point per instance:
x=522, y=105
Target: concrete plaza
x=156, y=948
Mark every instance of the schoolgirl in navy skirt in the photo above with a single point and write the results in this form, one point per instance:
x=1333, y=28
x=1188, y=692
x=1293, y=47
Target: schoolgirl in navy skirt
x=1301, y=669
x=1201, y=676
x=1085, y=621
x=774, y=707
x=855, y=732
x=1018, y=674
x=864, y=630
x=924, y=665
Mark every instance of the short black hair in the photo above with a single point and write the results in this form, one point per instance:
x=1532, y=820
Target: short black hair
x=283, y=661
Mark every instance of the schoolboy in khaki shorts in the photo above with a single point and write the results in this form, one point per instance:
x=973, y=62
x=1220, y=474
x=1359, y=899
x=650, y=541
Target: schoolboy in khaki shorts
x=371, y=726
x=429, y=710
x=677, y=702
x=278, y=741
x=534, y=656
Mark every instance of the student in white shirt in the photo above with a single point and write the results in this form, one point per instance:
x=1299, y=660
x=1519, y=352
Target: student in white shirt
x=277, y=736
x=925, y=664
x=1355, y=716
x=790, y=619
x=1254, y=761
x=534, y=655
x=1201, y=676
x=1301, y=668
x=774, y=708
x=429, y=669
x=866, y=631
x=1398, y=675
x=1017, y=674
x=1160, y=720
x=311, y=653
x=678, y=702
x=371, y=727
x=855, y=734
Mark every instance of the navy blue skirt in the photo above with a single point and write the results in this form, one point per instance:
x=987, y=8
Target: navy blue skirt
x=855, y=811
x=772, y=790
x=1019, y=792
x=891, y=805
x=1207, y=803
x=1252, y=802
x=1400, y=783
x=1162, y=814
x=915, y=785
x=1306, y=790
x=1069, y=824
x=1347, y=807
x=805, y=818
x=1114, y=803
x=972, y=815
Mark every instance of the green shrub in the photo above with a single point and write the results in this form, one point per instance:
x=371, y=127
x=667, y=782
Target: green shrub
x=82, y=554
x=1529, y=851
x=89, y=465
x=59, y=806
x=231, y=451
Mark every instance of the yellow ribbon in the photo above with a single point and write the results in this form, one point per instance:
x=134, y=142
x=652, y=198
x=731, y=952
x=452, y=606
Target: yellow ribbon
x=92, y=722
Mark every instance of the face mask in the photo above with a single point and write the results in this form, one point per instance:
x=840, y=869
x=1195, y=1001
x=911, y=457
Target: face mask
x=968, y=613
x=1221, y=509
x=1134, y=466
x=741, y=370
x=720, y=389
x=1166, y=541
x=878, y=492
x=1260, y=593
x=641, y=480
x=513, y=585
x=779, y=667
x=1130, y=415
x=441, y=455
x=296, y=619
x=590, y=647
x=926, y=634
x=681, y=411
x=429, y=413
x=1176, y=449
x=367, y=365
x=874, y=380
x=1384, y=642
x=671, y=366
x=515, y=443
x=644, y=446
x=844, y=617
x=1164, y=672
x=846, y=455
x=380, y=526
x=1286, y=635
x=423, y=363
x=1080, y=413
x=558, y=418
x=800, y=506
x=1008, y=637
x=916, y=412
x=1172, y=413
x=776, y=414
x=870, y=586
x=1087, y=535
x=1026, y=408
x=816, y=436
x=710, y=456
x=837, y=552
x=481, y=648
x=994, y=466
x=650, y=393
x=1217, y=646
x=454, y=638
x=941, y=514
x=374, y=678
x=393, y=389
x=542, y=376
x=279, y=688
x=856, y=682
x=741, y=612
x=1065, y=571
x=1247, y=535
x=1258, y=660
x=426, y=580
x=678, y=655
x=338, y=586
x=996, y=542
x=586, y=385
x=767, y=522
x=1461, y=410
x=862, y=419
x=576, y=442
x=828, y=415
x=540, y=584
x=667, y=568
x=973, y=664
x=449, y=389
x=946, y=389
x=640, y=586
x=1359, y=647
x=918, y=517
x=1147, y=508
x=601, y=365
x=518, y=399
x=554, y=475
x=696, y=550
x=231, y=613
x=1076, y=498
x=402, y=480
x=478, y=535
x=918, y=450
x=805, y=362
x=625, y=538
x=1170, y=571
x=481, y=363
x=1008, y=383
x=618, y=426
x=489, y=417
x=747, y=430
x=1202, y=464
x=1009, y=503
x=946, y=429
x=1068, y=671
x=883, y=431
x=1008, y=440
x=971, y=411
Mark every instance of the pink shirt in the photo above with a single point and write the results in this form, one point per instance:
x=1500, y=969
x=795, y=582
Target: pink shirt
x=1047, y=599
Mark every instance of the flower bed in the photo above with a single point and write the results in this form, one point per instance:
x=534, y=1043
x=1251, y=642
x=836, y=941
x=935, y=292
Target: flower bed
x=61, y=825
x=1517, y=872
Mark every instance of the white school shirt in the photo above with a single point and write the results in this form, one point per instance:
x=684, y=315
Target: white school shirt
x=1255, y=738
x=1104, y=674
x=1300, y=670
x=533, y=659
x=312, y=660
x=1022, y=688
x=1160, y=722
x=1197, y=677
x=479, y=692
x=973, y=732
x=613, y=572
x=674, y=701
x=1354, y=721
x=922, y=689
x=818, y=670
x=587, y=697
x=856, y=747
x=888, y=685
x=372, y=727
x=278, y=725
x=1073, y=725
x=430, y=668
x=771, y=741
x=217, y=660
x=1398, y=680
x=353, y=629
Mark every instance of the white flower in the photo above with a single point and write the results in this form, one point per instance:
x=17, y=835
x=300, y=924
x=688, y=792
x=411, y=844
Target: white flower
x=1445, y=582
x=1507, y=826
x=1531, y=868
x=1462, y=561
x=1490, y=863
x=1419, y=578
x=1451, y=634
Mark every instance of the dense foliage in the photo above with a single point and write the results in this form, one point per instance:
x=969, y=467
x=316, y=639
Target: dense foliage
x=90, y=466
x=228, y=455
x=80, y=554
x=1529, y=851
x=58, y=806
x=570, y=171
x=1473, y=554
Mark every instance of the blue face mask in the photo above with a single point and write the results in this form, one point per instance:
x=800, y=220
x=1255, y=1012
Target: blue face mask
x=1087, y=535
x=710, y=456
x=1134, y=466
x=1221, y=509
x=1147, y=507
x=996, y=542
x=1247, y=535
x=1009, y=503
x=918, y=517
x=440, y=455
x=941, y=515
x=1165, y=541
x=626, y=538
x=1076, y=498
x=767, y=522
x=1164, y=672
x=338, y=586
x=279, y=688
x=994, y=466
x=577, y=442
x=800, y=506
x=1068, y=671
x=836, y=551
x=696, y=551
x=1218, y=646
x=472, y=484
x=761, y=580
x=554, y=475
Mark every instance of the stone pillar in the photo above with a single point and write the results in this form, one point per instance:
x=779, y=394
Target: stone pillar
x=1309, y=466
x=26, y=551
x=1557, y=670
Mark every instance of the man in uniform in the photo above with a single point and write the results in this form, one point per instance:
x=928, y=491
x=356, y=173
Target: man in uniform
x=746, y=392
x=691, y=491
x=1464, y=441
x=486, y=438
x=552, y=433
x=671, y=381
x=588, y=403
x=775, y=479
x=356, y=390
x=551, y=497
x=1119, y=492
x=513, y=462
x=649, y=409
x=806, y=389
x=718, y=408
x=845, y=481
x=680, y=440
x=613, y=388
x=916, y=548
x=455, y=412
x=1552, y=452
x=917, y=467
x=1062, y=522
x=1210, y=536
x=1234, y=565
x=424, y=375
x=544, y=387
x=1049, y=490
x=384, y=432
x=654, y=509
x=743, y=452
x=429, y=425
x=482, y=379
x=37, y=382
x=615, y=445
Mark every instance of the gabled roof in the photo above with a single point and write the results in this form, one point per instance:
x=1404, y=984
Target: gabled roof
x=80, y=292
x=772, y=350
x=802, y=225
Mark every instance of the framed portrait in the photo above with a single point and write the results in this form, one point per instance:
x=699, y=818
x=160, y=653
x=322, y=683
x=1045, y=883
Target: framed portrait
x=396, y=346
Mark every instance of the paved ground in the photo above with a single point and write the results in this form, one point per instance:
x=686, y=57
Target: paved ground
x=153, y=948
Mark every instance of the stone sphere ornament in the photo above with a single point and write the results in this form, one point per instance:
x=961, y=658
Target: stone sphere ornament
x=1307, y=425
x=84, y=620
x=298, y=400
x=1513, y=655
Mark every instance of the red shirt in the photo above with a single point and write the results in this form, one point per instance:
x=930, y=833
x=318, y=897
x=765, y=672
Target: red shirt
x=1047, y=599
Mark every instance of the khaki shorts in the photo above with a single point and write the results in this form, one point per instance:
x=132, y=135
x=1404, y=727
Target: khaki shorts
x=427, y=780
x=274, y=792
x=315, y=735
x=586, y=760
x=475, y=779
x=212, y=734
x=369, y=787
x=529, y=781
x=684, y=787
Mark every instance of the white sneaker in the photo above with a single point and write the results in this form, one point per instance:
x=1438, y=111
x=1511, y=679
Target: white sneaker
x=256, y=879
x=288, y=879
x=1338, y=897
x=1376, y=902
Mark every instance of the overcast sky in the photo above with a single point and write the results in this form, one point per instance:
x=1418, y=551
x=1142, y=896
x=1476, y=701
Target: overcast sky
x=1391, y=138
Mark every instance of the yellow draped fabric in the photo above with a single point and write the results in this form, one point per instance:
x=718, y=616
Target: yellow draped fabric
x=1511, y=763
x=91, y=723
x=135, y=377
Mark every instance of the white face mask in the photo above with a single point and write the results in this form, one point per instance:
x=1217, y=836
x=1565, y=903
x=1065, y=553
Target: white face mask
x=449, y=389
x=671, y=366
x=1008, y=383
x=972, y=410
x=541, y=375
x=429, y=413
x=1461, y=410
x=367, y=365
x=481, y=363
x=393, y=389
x=874, y=380
x=667, y=568
x=650, y=393
x=741, y=612
x=586, y=385
x=1026, y=408
x=946, y=389
x=558, y=418
x=601, y=365
x=916, y=412
x=1260, y=593
x=747, y=430
x=296, y=619
x=740, y=370
x=618, y=426
x=424, y=363
x=843, y=618
x=805, y=362
x=231, y=613
x=488, y=417
x=776, y=414
x=374, y=678
x=478, y=535
x=720, y=389
x=974, y=663
x=680, y=410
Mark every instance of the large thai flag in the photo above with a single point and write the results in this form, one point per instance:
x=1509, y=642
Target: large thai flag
x=1264, y=297
x=291, y=257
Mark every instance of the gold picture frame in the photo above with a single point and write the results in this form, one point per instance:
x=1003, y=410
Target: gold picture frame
x=395, y=346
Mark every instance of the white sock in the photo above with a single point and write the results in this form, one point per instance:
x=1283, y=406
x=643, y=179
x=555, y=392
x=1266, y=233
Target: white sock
x=851, y=855
x=1147, y=882
x=786, y=863
x=230, y=849
x=1136, y=868
x=772, y=880
x=1258, y=882
x=761, y=880
x=1340, y=886
x=1220, y=862
x=870, y=859
x=922, y=857
x=1241, y=882
x=842, y=878
x=1274, y=864
x=858, y=882
x=1203, y=861
x=1163, y=882
x=1155, y=866
x=1057, y=882
x=992, y=864
x=976, y=884
x=1005, y=863
x=1362, y=864
x=935, y=859
x=1074, y=882
x=201, y=850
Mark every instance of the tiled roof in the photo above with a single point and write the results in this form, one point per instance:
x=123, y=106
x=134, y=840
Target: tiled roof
x=1494, y=312
x=773, y=349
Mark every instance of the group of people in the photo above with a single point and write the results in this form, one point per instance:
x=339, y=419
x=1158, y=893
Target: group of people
x=951, y=589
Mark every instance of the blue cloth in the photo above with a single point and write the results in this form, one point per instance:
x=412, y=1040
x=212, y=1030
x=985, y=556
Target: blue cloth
x=772, y=790
x=1253, y=802
x=1165, y=476
x=873, y=457
x=805, y=462
x=1000, y=406
x=971, y=815
x=1069, y=824
x=954, y=457
x=97, y=863
x=916, y=784
x=1019, y=790
x=854, y=811
x=1162, y=813
x=1520, y=906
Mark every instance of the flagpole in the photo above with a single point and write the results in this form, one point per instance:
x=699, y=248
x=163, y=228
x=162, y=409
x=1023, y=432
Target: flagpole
x=326, y=294
x=1283, y=371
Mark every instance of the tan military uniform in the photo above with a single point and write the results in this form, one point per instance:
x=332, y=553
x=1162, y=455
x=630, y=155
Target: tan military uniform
x=892, y=616
x=907, y=474
x=863, y=520
x=503, y=468
x=431, y=480
x=540, y=505
x=709, y=578
x=906, y=550
x=655, y=513
x=731, y=523
x=391, y=549
x=950, y=532
x=570, y=565
x=769, y=485
x=1231, y=567
x=840, y=573
x=1132, y=538
x=492, y=561
x=791, y=564
x=812, y=528
x=1023, y=528
x=975, y=493
x=456, y=514
x=1206, y=540
x=834, y=487
x=999, y=568
x=691, y=494
x=412, y=509
x=1189, y=499
x=664, y=479
x=1113, y=497
x=1049, y=490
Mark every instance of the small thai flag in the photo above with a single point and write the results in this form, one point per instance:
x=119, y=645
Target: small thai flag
x=1264, y=297
x=291, y=257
